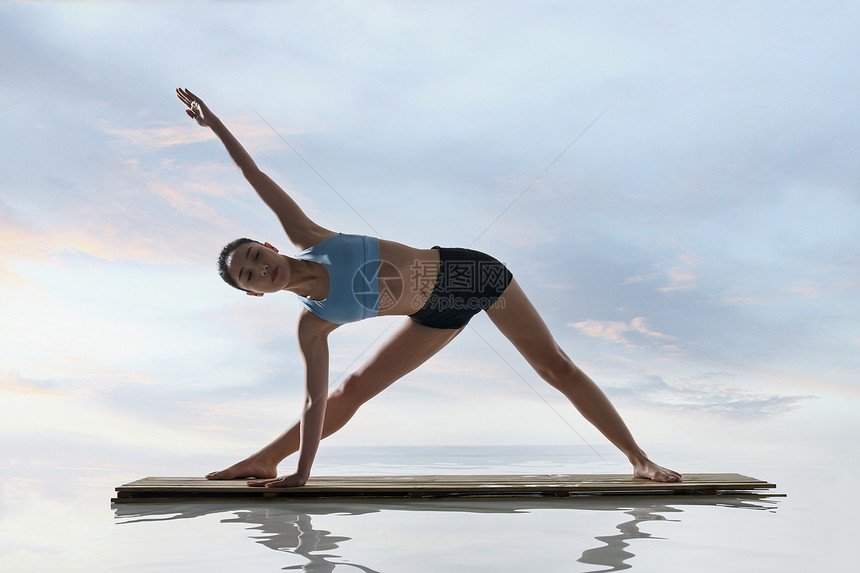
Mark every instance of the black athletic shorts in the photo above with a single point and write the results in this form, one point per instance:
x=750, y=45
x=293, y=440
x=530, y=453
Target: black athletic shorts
x=468, y=282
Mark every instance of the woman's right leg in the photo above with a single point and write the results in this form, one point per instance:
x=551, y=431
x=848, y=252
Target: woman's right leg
x=519, y=321
x=411, y=346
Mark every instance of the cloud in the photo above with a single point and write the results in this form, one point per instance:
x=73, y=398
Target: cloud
x=718, y=399
x=678, y=275
x=254, y=134
x=16, y=242
x=11, y=382
x=434, y=137
x=191, y=206
x=160, y=135
x=97, y=239
x=806, y=290
x=617, y=332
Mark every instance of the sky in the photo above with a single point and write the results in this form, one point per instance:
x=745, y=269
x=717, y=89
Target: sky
x=674, y=185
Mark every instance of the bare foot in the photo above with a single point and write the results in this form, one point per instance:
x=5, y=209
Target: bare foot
x=247, y=469
x=649, y=470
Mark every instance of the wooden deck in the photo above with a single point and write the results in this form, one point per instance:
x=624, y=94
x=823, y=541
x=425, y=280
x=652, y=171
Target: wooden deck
x=191, y=489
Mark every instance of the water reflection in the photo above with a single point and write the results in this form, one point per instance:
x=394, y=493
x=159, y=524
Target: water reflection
x=281, y=527
x=614, y=555
x=288, y=526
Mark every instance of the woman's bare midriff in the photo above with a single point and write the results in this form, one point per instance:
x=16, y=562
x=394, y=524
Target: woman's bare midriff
x=406, y=277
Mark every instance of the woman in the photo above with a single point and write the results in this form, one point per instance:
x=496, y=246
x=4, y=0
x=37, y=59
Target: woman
x=343, y=278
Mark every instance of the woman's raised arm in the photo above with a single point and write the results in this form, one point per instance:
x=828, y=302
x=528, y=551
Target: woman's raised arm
x=300, y=229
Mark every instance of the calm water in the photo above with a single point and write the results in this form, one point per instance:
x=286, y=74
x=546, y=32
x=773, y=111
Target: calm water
x=65, y=522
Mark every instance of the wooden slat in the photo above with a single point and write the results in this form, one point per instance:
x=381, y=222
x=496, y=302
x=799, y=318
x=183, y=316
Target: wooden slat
x=432, y=486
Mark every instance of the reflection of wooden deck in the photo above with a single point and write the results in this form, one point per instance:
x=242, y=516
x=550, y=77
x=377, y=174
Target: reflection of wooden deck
x=185, y=489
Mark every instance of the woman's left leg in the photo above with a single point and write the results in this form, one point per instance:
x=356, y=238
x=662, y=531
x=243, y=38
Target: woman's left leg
x=519, y=321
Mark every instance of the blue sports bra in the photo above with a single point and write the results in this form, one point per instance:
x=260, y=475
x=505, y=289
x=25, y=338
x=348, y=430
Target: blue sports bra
x=352, y=262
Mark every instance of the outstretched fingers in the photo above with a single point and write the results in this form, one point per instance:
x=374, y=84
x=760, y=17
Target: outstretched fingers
x=293, y=480
x=197, y=110
x=187, y=100
x=183, y=96
x=260, y=482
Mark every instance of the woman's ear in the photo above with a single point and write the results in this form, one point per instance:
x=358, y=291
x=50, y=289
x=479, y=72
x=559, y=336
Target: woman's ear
x=254, y=293
x=271, y=247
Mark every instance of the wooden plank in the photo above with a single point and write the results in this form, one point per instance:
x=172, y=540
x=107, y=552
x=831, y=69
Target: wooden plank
x=433, y=486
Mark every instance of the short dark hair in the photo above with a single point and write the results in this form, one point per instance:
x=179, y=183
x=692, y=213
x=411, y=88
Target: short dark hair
x=224, y=260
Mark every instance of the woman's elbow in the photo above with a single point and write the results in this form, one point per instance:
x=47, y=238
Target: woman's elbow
x=313, y=401
x=252, y=173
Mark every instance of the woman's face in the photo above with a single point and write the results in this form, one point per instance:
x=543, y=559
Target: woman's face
x=259, y=268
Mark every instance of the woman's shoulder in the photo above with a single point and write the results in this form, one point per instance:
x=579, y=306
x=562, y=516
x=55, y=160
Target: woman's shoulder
x=314, y=237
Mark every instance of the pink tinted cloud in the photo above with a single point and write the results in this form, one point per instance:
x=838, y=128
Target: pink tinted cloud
x=618, y=332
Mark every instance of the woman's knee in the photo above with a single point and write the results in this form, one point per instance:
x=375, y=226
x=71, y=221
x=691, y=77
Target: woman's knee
x=556, y=367
x=355, y=389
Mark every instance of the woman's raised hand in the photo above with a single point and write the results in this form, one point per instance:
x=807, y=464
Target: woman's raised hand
x=197, y=110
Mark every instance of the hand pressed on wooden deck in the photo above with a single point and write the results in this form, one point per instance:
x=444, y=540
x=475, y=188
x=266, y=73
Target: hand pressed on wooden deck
x=293, y=480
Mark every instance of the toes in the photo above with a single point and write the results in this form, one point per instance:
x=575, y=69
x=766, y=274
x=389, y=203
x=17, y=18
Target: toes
x=671, y=476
